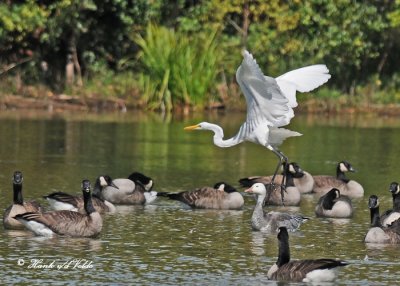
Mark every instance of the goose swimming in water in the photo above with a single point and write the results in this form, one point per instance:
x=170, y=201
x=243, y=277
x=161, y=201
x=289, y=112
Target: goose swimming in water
x=389, y=216
x=222, y=196
x=333, y=204
x=308, y=270
x=347, y=187
x=377, y=233
x=136, y=190
x=291, y=193
x=271, y=221
x=64, y=222
x=18, y=206
x=303, y=180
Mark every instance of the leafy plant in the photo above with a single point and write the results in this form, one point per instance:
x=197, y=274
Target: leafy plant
x=178, y=69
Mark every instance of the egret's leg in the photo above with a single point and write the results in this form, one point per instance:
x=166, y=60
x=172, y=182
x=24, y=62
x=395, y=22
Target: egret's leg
x=282, y=159
x=283, y=183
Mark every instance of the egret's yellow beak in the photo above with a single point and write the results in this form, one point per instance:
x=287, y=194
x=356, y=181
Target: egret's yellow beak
x=193, y=127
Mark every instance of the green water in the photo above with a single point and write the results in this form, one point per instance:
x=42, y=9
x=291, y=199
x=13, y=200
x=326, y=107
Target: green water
x=167, y=243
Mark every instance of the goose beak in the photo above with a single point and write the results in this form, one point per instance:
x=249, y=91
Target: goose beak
x=352, y=170
x=249, y=190
x=192, y=127
x=114, y=185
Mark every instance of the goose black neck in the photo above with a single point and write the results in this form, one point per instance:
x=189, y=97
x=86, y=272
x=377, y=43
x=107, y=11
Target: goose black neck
x=329, y=200
x=396, y=202
x=97, y=186
x=375, y=219
x=87, y=200
x=284, y=250
x=289, y=179
x=341, y=175
x=18, y=194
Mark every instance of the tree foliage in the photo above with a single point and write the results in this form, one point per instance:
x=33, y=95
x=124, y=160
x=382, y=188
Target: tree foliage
x=358, y=40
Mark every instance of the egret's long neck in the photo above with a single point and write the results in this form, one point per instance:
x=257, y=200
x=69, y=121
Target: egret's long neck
x=219, y=135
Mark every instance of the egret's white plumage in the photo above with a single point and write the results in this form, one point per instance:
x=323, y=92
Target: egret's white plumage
x=270, y=104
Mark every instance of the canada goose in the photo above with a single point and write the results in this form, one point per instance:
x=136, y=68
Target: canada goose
x=126, y=191
x=308, y=270
x=377, y=233
x=18, y=206
x=271, y=221
x=222, y=196
x=350, y=188
x=333, y=204
x=302, y=179
x=63, y=201
x=389, y=216
x=64, y=222
x=289, y=196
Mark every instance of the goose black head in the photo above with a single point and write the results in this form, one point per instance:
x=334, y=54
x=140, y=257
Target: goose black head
x=394, y=188
x=345, y=166
x=137, y=177
x=373, y=202
x=17, y=178
x=295, y=169
x=222, y=186
x=107, y=181
x=86, y=186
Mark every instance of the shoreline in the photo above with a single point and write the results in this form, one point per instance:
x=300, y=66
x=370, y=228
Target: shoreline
x=67, y=103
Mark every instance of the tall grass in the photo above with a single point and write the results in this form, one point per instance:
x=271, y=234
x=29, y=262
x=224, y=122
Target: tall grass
x=179, y=70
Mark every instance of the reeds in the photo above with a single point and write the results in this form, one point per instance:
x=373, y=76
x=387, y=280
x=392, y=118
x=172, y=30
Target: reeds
x=179, y=70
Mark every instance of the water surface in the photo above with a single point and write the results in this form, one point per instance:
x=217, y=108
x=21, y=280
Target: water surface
x=167, y=243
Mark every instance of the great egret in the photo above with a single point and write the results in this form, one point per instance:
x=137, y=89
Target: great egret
x=270, y=102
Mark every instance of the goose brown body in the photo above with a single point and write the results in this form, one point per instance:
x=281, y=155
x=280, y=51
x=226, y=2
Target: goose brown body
x=65, y=222
x=308, y=270
x=221, y=196
x=347, y=187
x=68, y=223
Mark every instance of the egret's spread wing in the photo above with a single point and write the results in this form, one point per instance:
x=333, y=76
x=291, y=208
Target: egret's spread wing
x=265, y=102
x=303, y=80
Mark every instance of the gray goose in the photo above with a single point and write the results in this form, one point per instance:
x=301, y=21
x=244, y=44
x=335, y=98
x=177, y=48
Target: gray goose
x=271, y=221
x=350, y=188
x=302, y=179
x=18, y=206
x=136, y=190
x=389, y=216
x=377, y=233
x=222, y=196
x=333, y=204
x=64, y=222
x=308, y=270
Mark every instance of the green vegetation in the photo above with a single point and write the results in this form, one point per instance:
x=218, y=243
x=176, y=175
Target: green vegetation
x=185, y=54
